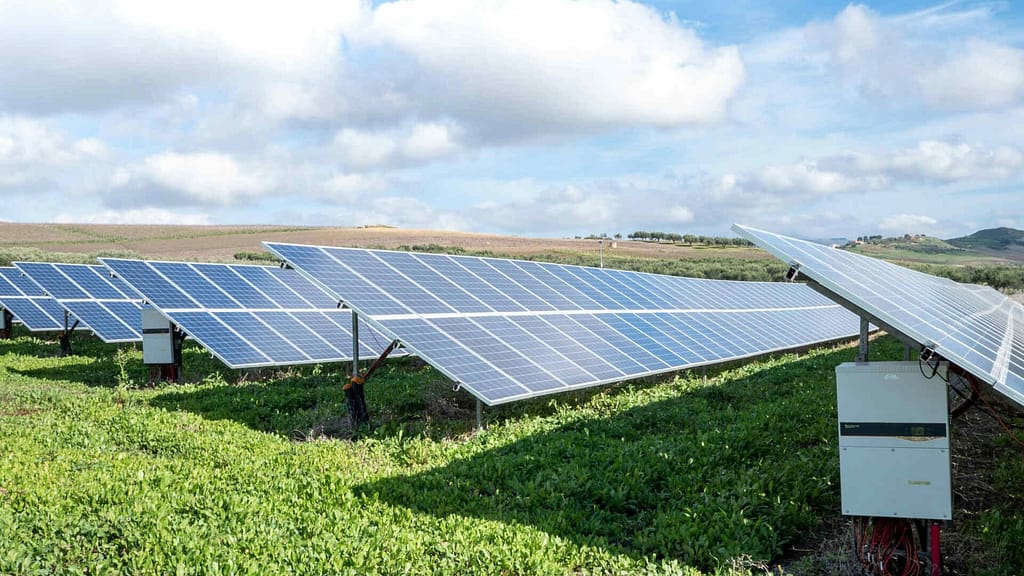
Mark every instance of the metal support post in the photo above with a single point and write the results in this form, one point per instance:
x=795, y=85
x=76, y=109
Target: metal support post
x=65, y=337
x=479, y=415
x=906, y=352
x=355, y=344
x=6, y=324
x=355, y=398
x=934, y=552
x=704, y=374
x=862, y=345
x=174, y=370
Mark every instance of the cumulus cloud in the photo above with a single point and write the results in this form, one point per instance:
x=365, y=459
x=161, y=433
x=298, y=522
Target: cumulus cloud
x=405, y=212
x=349, y=187
x=362, y=149
x=553, y=65
x=908, y=224
x=891, y=60
x=812, y=195
x=31, y=151
x=980, y=74
x=204, y=178
x=102, y=53
x=496, y=69
x=935, y=161
x=550, y=209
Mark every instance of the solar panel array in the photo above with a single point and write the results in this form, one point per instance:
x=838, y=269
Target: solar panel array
x=507, y=330
x=87, y=291
x=973, y=326
x=29, y=304
x=248, y=316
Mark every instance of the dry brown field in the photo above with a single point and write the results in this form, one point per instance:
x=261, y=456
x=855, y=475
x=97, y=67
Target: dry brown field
x=221, y=243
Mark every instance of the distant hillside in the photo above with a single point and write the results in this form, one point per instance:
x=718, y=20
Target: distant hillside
x=913, y=243
x=930, y=250
x=992, y=238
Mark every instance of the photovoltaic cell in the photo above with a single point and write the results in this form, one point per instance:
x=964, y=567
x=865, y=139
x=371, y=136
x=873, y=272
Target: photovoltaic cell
x=974, y=327
x=28, y=303
x=88, y=292
x=507, y=330
x=248, y=316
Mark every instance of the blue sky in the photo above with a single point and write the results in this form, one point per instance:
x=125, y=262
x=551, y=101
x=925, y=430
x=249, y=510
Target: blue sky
x=532, y=117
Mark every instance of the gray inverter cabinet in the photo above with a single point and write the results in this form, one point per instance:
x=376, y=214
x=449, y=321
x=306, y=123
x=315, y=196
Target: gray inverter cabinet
x=157, y=338
x=894, y=458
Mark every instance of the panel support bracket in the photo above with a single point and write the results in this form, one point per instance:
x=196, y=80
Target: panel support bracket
x=862, y=344
x=65, y=337
x=172, y=372
x=355, y=397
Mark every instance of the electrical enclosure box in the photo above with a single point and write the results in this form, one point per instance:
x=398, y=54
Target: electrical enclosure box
x=157, y=338
x=894, y=458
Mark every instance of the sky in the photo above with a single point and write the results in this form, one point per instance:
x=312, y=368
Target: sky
x=547, y=118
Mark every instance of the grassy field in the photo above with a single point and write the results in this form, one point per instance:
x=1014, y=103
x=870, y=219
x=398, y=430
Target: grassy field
x=221, y=243
x=258, y=473
x=955, y=257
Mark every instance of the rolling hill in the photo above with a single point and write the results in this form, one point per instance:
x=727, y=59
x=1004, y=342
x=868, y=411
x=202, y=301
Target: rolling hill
x=992, y=239
x=998, y=246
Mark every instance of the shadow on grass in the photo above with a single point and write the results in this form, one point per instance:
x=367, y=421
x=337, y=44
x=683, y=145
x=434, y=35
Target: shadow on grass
x=91, y=364
x=708, y=474
x=308, y=402
x=95, y=363
x=294, y=406
x=37, y=346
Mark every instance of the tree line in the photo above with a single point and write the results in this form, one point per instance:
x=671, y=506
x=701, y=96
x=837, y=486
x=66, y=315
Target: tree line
x=690, y=239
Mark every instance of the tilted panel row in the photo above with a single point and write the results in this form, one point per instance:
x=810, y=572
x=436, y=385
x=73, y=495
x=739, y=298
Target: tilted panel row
x=973, y=326
x=507, y=330
x=88, y=292
x=248, y=316
x=28, y=303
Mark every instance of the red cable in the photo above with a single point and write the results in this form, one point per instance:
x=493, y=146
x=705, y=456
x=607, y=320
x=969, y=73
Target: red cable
x=936, y=555
x=1009, y=432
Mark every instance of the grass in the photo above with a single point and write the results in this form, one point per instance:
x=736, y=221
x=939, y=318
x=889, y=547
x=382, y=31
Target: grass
x=939, y=256
x=257, y=472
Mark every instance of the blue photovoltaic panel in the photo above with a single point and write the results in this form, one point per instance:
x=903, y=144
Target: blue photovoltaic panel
x=974, y=327
x=29, y=304
x=507, y=330
x=248, y=316
x=88, y=292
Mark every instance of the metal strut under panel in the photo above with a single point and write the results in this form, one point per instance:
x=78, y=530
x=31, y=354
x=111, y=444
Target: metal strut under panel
x=355, y=397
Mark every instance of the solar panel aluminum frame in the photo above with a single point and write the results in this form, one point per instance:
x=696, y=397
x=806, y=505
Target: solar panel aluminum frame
x=855, y=304
x=13, y=302
x=240, y=366
x=169, y=315
x=527, y=392
x=67, y=305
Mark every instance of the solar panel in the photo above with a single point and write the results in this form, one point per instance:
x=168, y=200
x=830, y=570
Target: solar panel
x=248, y=316
x=974, y=327
x=87, y=291
x=29, y=304
x=507, y=330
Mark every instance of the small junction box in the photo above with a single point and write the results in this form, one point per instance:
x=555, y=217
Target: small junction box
x=157, y=338
x=894, y=458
